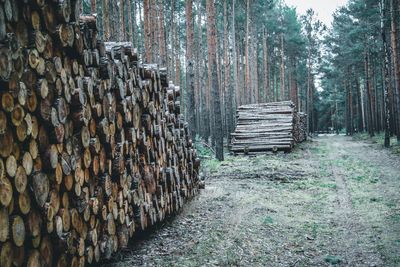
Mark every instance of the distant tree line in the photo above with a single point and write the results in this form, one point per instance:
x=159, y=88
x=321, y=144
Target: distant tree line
x=361, y=71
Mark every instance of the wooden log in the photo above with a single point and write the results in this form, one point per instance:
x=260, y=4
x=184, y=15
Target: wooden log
x=6, y=251
x=40, y=187
x=18, y=231
x=4, y=225
x=6, y=191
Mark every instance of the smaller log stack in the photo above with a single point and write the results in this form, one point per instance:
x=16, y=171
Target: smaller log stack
x=266, y=127
x=300, y=127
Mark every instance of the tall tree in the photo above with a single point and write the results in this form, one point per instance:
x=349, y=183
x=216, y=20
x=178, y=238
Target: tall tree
x=161, y=38
x=122, y=35
x=190, y=103
x=235, y=62
x=227, y=70
x=265, y=66
x=394, y=12
x=212, y=64
x=247, y=62
x=386, y=73
x=147, y=31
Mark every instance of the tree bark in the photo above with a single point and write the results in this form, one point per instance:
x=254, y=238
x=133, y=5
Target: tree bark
x=147, y=30
x=227, y=69
x=266, y=67
x=190, y=102
x=106, y=20
x=394, y=4
x=162, y=43
x=247, y=63
x=234, y=57
x=122, y=20
x=282, y=78
x=212, y=61
x=369, y=95
x=386, y=75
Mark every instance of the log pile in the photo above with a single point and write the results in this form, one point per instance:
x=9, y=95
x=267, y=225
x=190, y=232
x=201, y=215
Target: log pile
x=264, y=127
x=93, y=147
x=300, y=127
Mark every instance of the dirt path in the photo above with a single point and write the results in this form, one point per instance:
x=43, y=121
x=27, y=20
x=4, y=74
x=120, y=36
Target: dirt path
x=333, y=201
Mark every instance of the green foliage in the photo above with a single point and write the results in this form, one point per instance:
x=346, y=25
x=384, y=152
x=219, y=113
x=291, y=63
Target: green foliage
x=203, y=151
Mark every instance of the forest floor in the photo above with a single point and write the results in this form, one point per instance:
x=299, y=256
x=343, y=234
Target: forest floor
x=333, y=201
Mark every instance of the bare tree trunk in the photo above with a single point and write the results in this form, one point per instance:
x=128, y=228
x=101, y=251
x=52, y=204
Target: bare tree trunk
x=172, y=42
x=247, y=63
x=177, y=59
x=122, y=20
x=282, y=93
x=116, y=21
x=147, y=30
x=93, y=6
x=386, y=75
x=162, y=43
x=394, y=4
x=293, y=84
x=106, y=20
x=266, y=66
x=360, y=125
x=369, y=95
x=234, y=57
x=212, y=61
x=228, y=86
x=255, y=71
x=190, y=103
x=200, y=111
x=308, y=94
x=130, y=27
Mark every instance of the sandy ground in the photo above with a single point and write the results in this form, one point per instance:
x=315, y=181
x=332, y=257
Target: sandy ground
x=333, y=201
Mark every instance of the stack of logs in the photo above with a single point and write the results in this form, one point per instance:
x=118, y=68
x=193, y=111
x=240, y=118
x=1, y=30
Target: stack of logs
x=264, y=127
x=93, y=147
x=300, y=127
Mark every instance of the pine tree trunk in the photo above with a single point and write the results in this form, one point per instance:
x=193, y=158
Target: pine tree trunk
x=172, y=43
x=212, y=61
x=227, y=69
x=247, y=63
x=130, y=27
x=190, y=102
x=106, y=20
x=369, y=95
x=394, y=4
x=256, y=89
x=282, y=92
x=135, y=35
x=308, y=93
x=234, y=57
x=266, y=70
x=162, y=43
x=93, y=6
x=116, y=21
x=122, y=20
x=147, y=31
x=386, y=75
x=142, y=38
x=293, y=85
x=359, y=109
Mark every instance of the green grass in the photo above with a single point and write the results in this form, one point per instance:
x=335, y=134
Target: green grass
x=379, y=138
x=268, y=220
x=334, y=260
